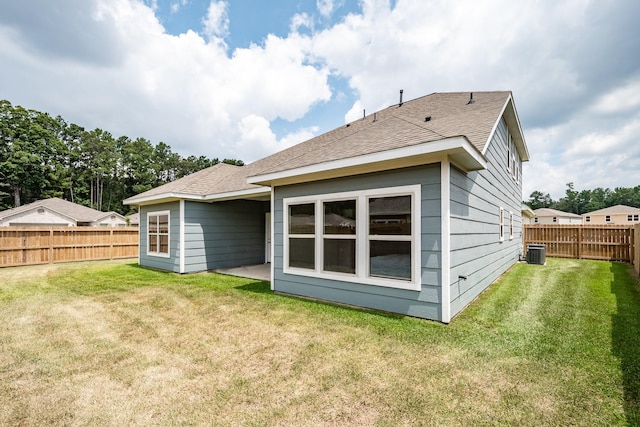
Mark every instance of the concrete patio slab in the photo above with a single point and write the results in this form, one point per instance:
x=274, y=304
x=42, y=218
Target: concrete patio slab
x=258, y=272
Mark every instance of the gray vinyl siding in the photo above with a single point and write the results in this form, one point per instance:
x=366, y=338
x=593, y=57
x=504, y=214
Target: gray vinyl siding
x=173, y=262
x=425, y=303
x=476, y=198
x=224, y=234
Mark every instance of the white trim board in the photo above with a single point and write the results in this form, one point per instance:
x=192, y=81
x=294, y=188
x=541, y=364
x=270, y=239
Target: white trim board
x=461, y=151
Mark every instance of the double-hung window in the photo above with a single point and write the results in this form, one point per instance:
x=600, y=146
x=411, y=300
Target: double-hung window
x=302, y=229
x=339, y=236
x=370, y=236
x=158, y=233
x=390, y=237
x=510, y=225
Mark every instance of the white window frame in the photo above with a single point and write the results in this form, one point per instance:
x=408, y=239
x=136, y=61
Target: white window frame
x=510, y=225
x=362, y=237
x=155, y=253
x=324, y=236
x=513, y=159
x=501, y=224
x=587, y=218
x=508, y=152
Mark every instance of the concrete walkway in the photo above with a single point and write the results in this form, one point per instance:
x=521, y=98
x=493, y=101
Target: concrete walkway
x=258, y=272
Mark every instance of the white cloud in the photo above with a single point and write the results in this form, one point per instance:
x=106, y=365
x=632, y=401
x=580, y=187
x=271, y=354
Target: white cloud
x=216, y=23
x=325, y=7
x=299, y=21
x=620, y=100
x=177, y=5
x=255, y=134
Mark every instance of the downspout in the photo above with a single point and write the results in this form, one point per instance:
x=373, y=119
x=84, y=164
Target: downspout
x=273, y=245
x=445, y=237
x=182, y=268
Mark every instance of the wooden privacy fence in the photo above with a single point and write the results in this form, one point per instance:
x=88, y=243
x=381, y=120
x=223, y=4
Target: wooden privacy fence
x=43, y=245
x=604, y=242
x=636, y=249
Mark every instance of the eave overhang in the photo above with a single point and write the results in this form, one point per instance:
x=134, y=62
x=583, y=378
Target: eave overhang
x=250, y=194
x=459, y=150
x=513, y=123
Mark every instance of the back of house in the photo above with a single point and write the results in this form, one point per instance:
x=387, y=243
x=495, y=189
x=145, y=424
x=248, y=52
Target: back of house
x=414, y=209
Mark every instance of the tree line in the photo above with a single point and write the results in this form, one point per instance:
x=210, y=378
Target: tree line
x=42, y=157
x=580, y=202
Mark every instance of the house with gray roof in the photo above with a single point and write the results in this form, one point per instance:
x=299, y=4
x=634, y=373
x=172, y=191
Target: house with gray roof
x=618, y=214
x=59, y=212
x=554, y=216
x=414, y=209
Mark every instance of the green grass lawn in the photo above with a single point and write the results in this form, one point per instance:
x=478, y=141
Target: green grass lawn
x=110, y=343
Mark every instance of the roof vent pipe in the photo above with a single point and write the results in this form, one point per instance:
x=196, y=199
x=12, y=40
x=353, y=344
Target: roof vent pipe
x=374, y=116
x=471, y=101
x=400, y=105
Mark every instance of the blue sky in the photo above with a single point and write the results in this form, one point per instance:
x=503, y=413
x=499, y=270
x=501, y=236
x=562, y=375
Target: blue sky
x=243, y=79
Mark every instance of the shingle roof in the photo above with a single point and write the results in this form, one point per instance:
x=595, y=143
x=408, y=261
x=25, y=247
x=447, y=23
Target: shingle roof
x=554, y=212
x=450, y=114
x=219, y=178
x=617, y=209
x=72, y=210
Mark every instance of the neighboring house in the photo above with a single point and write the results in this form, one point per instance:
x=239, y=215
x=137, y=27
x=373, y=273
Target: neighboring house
x=60, y=212
x=415, y=209
x=134, y=219
x=554, y=216
x=527, y=214
x=619, y=214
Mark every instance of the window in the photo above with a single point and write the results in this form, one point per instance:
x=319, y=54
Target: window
x=555, y=219
x=339, y=236
x=501, y=224
x=158, y=233
x=607, y=218
x=509, y=153
x=369, y=237
x=513, y=159
x=635, y=217
x=535, y=220
x=587, y=218
x=629, y=217
x=390, y=237
x=302, y=225
x=510, y=225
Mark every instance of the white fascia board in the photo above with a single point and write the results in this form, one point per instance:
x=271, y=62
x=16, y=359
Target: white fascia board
x=511, y=117
x=172, y=197
x=459, y=148
x=241, y=194
x=160, y=198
